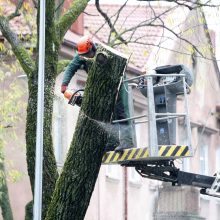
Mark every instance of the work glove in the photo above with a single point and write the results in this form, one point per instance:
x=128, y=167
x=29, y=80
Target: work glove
x=63, y=88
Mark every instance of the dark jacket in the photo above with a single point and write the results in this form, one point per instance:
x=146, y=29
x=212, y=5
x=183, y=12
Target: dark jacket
x=121, y=109
x=76, y=63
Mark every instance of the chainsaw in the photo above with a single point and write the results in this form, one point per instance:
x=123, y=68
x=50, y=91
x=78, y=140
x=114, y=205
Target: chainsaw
x=74, y=97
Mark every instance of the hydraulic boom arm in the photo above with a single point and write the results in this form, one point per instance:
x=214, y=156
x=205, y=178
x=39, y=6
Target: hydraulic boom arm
x=166, y=171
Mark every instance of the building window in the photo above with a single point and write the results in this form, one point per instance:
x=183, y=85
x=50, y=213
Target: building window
x=218, y=159
x=113, y=172
x=203, y=159
x=203, y=144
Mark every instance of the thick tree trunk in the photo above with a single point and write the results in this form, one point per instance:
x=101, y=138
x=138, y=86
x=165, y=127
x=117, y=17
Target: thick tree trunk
x=29, y=211
x=4, y=197
x=54, y=37
x=50, y=173
x=76, y=183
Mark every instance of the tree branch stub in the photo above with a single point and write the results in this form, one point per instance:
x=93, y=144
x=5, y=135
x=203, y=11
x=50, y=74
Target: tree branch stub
x=102, y=58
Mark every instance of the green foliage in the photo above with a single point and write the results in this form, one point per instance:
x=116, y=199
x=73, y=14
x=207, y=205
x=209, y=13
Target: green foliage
x=10, y=97
x=15, y=175
x=10, y=111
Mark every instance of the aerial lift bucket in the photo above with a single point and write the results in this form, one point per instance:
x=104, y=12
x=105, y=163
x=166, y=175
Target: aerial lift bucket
x=160, y=89
x=156, y=161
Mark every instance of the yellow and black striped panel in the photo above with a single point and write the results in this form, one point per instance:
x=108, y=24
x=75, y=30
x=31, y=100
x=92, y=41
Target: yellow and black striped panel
x=174, y=151
x=143, y=154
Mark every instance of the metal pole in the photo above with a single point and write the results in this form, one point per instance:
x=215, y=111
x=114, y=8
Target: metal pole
x=152, y=128
x=152, y=75
x=129, y=119
x=187, y=118
x=131, y=112
x=40, y=118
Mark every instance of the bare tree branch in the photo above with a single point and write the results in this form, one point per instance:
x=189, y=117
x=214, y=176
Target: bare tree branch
x=129, y=16
x=152, y=9
x=144, y=23
x=179, y=37
x=205, y=25
x=151, y=23
x=112, y=28
x=187, y=3
x=16, y=13
x=164, y=27
x=90, y=14
x=168, y=49
x=156, y=22
x=35, y=3
x=118, y=13
x=103, y=23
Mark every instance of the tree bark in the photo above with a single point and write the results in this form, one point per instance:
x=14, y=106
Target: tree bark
x=20, y=52
x=29, y=211
x=50, y=173
x=69, y=17
x=4, y=197
x=76, y=183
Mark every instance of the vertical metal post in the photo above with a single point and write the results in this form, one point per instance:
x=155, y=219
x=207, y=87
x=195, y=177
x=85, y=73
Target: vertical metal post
x=40, y=118
x=125, y=193
x=187, y=118
x=131, y=111
x=152, y=129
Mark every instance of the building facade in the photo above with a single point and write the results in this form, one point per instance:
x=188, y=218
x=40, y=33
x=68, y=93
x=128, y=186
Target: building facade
x=121, y=193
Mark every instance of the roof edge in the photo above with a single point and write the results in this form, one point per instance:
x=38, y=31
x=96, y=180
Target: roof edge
x=71, y=38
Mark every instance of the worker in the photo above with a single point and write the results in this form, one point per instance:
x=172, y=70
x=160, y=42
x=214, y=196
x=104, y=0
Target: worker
x=86, y=49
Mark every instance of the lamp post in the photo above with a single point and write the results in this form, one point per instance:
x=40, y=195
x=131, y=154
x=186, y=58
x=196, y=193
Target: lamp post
x=40, y=118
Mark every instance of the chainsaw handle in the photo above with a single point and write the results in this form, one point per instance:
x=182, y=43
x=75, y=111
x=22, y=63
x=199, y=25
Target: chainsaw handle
x=76, y=99
x=79, y=90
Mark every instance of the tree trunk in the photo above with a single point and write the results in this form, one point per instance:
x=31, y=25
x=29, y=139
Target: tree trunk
x=76, y=183
x=29, y=211
x=50, y=173
x=4, y=197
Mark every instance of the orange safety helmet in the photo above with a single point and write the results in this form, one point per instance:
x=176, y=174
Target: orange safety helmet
x=84, y=45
